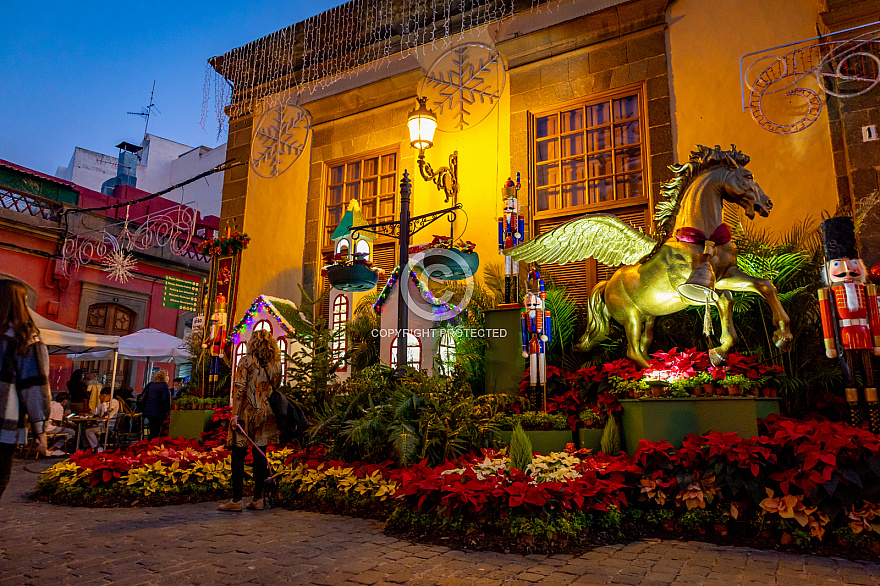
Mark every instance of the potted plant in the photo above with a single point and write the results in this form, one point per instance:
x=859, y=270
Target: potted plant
x=351, y=274
x=627, y=388
x=548, y=432
x=589, y=433
x=706, y=382
x=450, y=262
x=736, y=384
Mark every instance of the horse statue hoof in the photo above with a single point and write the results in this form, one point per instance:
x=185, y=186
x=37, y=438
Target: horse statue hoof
x=716, y=358
x=782, y=340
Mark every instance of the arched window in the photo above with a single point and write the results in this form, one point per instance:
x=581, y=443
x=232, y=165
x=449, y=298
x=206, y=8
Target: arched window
x=342, y=246
x=413, y=351
x=362, y=247
x=282, y=347
x=263, y=325
x=446, y=353
x=338, y=319
x=240, y=352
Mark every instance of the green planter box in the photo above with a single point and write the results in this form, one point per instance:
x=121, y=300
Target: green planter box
x=590, y=439
x=189, y=423
x=673, y=419
x=543, y=442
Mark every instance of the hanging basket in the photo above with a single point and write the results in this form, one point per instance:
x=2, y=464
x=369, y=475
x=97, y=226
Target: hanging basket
x=450, y=264
x=352, y=278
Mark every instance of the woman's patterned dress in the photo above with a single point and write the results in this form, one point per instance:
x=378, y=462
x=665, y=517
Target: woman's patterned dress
x=251, y=389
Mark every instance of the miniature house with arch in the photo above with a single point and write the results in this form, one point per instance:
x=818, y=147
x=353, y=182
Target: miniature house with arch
x=431, y=343
x=350, y=275
x=266, y=313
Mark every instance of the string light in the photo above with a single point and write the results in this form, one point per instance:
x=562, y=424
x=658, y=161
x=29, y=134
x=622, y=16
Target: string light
x=426, y=294
x=260, y=304
x=340, y=43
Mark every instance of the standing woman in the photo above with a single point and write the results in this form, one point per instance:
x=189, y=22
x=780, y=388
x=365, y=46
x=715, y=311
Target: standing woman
x=156, y=402
x=256, y=376
x=24, y=376
x=79, y=392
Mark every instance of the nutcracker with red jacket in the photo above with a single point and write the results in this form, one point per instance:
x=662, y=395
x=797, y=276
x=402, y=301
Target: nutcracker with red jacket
x=850, y=316
x=511, y=228
x=536, y=329
x=217, y=342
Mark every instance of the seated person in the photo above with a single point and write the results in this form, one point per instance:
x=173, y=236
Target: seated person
x=124, y=393
x=106, y=409
x=57, y=423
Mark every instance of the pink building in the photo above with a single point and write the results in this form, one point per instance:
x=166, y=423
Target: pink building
x=35, y=222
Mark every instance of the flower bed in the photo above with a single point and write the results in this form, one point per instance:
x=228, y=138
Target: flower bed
x=802, y=485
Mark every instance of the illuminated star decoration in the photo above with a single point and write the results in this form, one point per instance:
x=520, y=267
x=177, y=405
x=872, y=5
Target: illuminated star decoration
x=120, y=265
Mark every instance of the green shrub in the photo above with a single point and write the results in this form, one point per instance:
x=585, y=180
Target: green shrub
x=532, y=421
x=610, y=442
x=520, y=449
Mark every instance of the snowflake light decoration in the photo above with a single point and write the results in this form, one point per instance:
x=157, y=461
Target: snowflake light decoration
x=120, y=265
x=279, y=139
x=463, y=85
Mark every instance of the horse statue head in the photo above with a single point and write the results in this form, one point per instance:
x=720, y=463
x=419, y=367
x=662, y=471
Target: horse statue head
x=711, y=175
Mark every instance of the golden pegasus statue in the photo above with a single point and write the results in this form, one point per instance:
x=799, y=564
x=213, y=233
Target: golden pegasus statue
x=693, y=262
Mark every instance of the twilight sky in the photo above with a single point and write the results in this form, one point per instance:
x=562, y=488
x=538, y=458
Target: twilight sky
x=71, y=70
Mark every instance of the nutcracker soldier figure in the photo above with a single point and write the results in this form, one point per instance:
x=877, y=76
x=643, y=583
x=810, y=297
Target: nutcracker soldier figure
x=850, y=320
x=217, y=342
x=536, y=331
x=511, y=228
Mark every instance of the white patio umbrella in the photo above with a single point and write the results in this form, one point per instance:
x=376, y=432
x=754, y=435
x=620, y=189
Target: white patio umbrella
x=148, y=344
x=64, y=340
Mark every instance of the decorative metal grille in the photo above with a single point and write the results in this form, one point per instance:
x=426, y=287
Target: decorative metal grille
x=29, y=205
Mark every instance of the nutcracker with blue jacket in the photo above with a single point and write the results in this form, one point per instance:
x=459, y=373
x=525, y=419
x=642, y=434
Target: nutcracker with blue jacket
x=511, y=228
x=217, y=342
x=850, y=316
x=536, y=329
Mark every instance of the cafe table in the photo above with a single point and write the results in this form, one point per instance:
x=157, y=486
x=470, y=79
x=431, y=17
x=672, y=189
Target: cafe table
x=80, y=421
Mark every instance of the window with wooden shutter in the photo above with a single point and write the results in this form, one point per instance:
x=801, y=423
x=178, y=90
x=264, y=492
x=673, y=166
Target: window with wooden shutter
x=385, y=257
x=589, y=156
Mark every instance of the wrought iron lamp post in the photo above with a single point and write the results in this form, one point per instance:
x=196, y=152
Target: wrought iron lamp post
x=422, y=124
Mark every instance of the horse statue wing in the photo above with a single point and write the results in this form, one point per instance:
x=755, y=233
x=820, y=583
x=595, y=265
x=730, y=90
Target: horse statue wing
x=602, y=236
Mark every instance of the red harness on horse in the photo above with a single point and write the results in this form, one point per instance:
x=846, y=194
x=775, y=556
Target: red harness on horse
x=721, y=235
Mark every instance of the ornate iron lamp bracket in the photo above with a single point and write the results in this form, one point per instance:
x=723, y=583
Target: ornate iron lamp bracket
x=416, y=223
x=445, y=178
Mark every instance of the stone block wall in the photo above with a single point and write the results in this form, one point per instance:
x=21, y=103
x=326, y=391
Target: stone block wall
x=586, y=57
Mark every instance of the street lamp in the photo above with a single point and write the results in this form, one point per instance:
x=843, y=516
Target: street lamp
x=422, y=124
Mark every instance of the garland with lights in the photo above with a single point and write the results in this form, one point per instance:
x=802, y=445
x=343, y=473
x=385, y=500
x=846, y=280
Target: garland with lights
x=260, y=303
x=425, y=292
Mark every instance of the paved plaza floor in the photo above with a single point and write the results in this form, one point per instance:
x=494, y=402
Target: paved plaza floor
x=196, y=544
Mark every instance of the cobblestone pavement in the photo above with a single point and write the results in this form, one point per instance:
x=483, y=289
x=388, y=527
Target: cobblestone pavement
x=196, y=544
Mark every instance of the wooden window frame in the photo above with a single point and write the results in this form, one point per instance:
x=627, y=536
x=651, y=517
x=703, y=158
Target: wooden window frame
x=607, y=96
x=339, y=341
x=282, y=347
x=326, y=245
x=240, y=352
x=418, y=344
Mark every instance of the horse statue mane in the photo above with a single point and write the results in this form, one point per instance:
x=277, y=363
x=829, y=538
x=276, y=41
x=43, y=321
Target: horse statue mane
x=702, y=159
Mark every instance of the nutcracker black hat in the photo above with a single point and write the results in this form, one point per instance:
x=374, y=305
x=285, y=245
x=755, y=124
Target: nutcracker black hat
x=839, y=238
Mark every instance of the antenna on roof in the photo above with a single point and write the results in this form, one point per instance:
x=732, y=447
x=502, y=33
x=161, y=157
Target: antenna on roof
x=146, y=112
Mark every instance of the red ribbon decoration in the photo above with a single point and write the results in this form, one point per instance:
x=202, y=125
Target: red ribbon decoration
x=721, y=235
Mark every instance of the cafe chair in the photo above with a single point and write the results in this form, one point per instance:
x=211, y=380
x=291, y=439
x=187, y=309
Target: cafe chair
x=129, y=426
